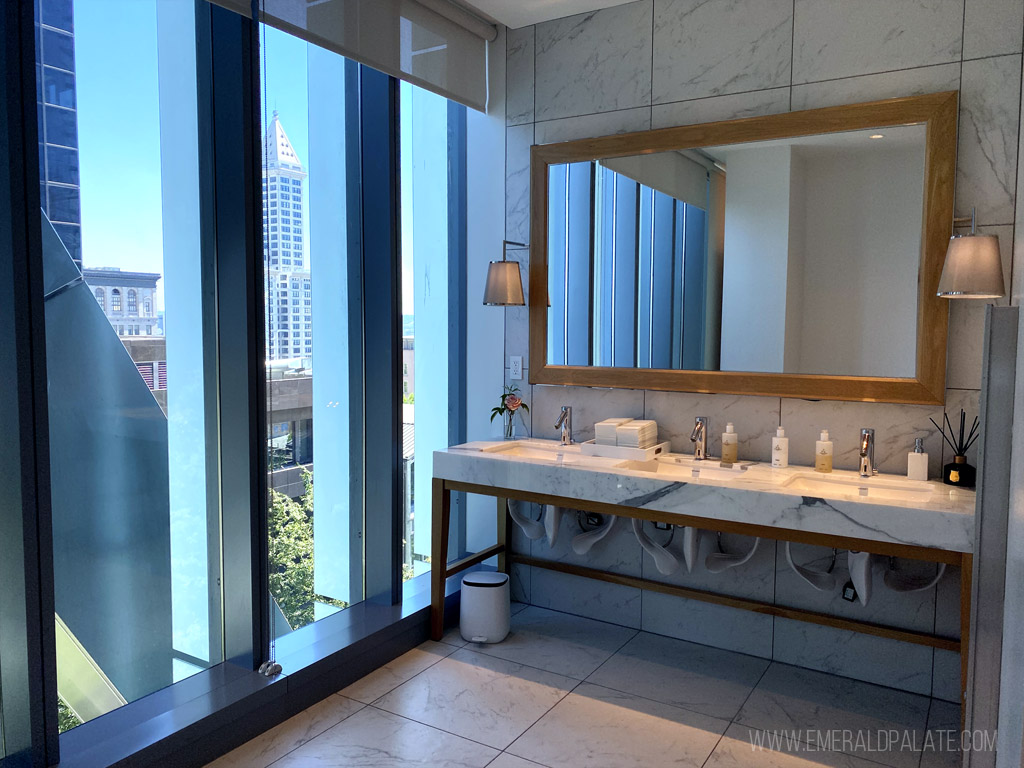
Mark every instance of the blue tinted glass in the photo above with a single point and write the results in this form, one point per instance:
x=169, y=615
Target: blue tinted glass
x=64, y=203
x=135, y=535
x=61, y=126
x=59, y=14
x=306, y=138
x=427, y=378
x=62, y=165
x=58, y=49
x=59, y=87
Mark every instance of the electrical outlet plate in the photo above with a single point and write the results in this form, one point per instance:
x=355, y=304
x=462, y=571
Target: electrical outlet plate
x=515, y=367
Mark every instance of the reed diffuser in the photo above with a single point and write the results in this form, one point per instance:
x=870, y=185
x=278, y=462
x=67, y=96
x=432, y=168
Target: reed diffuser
x=958, y=472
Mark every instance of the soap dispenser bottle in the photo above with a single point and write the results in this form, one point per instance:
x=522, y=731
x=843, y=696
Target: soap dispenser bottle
x=780, y=449
x=917, y=462
x=823, y=453
x=730, y=445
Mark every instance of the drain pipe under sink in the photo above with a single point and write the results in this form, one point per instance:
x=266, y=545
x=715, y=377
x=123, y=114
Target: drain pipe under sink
x=664, y=561
x=532, y=528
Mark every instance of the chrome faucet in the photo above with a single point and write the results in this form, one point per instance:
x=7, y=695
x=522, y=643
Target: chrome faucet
x=699, y=438
x=565, y=423
x=867, y=453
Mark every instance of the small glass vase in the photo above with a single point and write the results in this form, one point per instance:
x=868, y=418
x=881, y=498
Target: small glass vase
x=511, y=425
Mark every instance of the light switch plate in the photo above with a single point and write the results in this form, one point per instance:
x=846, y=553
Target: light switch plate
x=515, y=367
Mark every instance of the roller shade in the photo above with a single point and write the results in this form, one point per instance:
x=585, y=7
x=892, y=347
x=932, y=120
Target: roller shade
x=668, y=172
x=433, y=43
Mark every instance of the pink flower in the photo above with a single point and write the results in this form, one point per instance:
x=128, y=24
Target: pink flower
x=513, y=402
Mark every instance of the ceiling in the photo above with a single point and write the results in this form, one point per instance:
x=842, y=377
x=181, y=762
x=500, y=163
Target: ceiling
x=892, y=137
x=521, y=13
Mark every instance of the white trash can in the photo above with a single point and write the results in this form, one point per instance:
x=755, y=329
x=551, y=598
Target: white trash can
x=484, y=616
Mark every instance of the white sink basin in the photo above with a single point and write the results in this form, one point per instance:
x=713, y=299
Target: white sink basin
x=543, y=450
x=685, y=468
x=852, y=486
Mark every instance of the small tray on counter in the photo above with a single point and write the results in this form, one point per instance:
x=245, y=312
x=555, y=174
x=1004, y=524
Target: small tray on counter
x=590, y=448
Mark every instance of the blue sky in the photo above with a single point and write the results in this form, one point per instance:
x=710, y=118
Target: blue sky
x=118, y=134
x=119, y=126
x=119, y=129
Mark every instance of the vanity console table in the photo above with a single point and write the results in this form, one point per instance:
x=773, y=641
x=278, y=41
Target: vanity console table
x=937, y=531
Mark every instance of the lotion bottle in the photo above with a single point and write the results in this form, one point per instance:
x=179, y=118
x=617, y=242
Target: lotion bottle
x=730, y=445
x=917, y=462
x=780, y=449
x=823, y=453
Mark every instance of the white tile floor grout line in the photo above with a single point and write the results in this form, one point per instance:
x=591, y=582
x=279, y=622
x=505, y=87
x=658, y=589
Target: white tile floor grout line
x=753, y=688
x=362, y=704
x=517, y=757
x=738, y=710
x=735, y=720
x=435, y=728
x=524, y=732
x=576, y=683
x=317, y=736
x=524, y=664
x=392, y=690
x=927, y=721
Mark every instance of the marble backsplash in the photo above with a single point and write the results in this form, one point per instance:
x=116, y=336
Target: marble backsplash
x=659, y=63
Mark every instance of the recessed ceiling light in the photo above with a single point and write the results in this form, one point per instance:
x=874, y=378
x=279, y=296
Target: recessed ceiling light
x=877, y=136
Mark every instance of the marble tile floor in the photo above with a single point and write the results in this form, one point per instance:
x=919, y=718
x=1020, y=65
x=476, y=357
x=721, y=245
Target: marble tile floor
x=565, y=691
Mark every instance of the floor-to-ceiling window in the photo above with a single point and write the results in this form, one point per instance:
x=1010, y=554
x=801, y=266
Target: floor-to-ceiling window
x=218, y=252
x=432, y=147
x=135, y=510
x=313, y=299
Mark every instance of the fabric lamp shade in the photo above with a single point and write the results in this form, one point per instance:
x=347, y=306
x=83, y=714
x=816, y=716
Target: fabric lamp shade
x=973, y=269
x=504, y=286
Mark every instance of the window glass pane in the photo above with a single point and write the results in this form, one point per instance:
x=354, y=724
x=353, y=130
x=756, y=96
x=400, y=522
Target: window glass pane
x=60, y=126
x=134, y=492
x=59, y=87
x=314, y=405
x=62, y=165
x=64, y=204
x=58, y=14
x=427, y=372
x=59, y=49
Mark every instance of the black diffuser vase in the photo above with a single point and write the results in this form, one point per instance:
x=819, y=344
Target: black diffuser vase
x=959, y=473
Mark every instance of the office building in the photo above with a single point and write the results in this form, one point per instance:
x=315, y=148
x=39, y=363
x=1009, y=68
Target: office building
x=289, y=297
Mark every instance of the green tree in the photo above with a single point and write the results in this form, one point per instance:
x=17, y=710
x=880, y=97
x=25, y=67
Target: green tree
x=66, y=719
x=290, y=523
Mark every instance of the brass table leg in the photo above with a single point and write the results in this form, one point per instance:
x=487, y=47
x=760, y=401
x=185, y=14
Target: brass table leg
x=503, y=534
x=442, y=509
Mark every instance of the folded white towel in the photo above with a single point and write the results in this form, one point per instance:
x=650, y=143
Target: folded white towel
x=605, y=431
x=639, y=433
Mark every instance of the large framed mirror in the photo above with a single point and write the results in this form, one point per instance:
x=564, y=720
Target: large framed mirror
x=793, y=255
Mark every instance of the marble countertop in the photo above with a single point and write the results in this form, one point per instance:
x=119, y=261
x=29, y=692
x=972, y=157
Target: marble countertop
x=946, y=521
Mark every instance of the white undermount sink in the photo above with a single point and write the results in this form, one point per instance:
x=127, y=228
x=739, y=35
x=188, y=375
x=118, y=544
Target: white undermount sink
x=880, y=487
x=543, y=450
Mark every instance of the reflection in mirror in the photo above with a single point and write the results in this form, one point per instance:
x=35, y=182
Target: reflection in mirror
x=797, y=255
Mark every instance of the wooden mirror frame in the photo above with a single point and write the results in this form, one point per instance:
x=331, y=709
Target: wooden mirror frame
x=937, y=111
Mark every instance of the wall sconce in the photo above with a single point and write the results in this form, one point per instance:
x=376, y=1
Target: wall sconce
x=973, y=269
x=504, y=287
